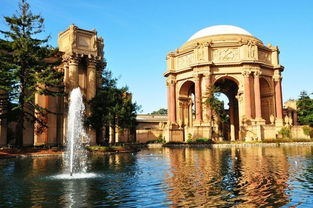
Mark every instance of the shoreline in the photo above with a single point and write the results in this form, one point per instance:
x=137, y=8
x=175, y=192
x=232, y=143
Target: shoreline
x=239, y=145
x=32, y=152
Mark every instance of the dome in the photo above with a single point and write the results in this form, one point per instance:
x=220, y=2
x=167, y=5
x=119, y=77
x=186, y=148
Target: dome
x=219, y=30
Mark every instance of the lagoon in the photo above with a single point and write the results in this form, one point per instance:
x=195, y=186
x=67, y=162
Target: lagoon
x=166, y=177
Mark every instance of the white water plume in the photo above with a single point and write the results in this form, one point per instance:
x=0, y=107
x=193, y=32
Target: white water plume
x=76, y=154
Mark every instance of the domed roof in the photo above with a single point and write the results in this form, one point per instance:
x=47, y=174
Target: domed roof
x=219, y=30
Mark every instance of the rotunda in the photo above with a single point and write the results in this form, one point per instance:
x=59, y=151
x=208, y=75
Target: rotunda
x=230, y=60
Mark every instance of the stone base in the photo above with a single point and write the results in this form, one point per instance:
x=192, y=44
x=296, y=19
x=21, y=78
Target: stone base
x=279, y=123
x=173, y=135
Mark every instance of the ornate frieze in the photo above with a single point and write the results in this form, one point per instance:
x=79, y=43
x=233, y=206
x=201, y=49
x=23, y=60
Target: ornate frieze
x=225, y=55
x=265, y=56
x=184, y=60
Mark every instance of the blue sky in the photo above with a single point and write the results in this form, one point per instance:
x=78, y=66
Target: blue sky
x=139, y=33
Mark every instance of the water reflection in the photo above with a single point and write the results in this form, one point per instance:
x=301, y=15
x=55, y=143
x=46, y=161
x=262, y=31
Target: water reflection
x=237, y=177
x=245, y=177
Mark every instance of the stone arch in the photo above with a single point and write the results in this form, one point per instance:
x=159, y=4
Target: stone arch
x=229, y=86
x=267, y=99
x=232, y=78
x=186, y=103
x=186, y=88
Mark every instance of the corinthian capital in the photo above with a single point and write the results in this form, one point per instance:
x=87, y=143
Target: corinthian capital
x=170, y=82
x=73, y=59
x=277, y=76
x=92, y=62
x=257, y=73
x=246, y=73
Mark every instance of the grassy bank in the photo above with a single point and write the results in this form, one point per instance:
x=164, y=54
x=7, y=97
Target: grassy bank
x=114, y=148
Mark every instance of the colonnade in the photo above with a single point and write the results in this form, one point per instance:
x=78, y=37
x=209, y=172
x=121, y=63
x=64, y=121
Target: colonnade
x=251, y=92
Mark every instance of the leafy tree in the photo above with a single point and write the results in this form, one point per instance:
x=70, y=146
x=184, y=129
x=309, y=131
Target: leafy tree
x=305, y=109
x=111, y=107
x=216, y=106
x=161, y=111
x=27, y=67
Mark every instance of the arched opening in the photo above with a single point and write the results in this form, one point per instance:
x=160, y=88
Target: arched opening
x=186, y=113
x=227, y=123
x=267, y=102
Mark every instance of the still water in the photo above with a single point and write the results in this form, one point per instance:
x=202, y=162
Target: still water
x=168, y=177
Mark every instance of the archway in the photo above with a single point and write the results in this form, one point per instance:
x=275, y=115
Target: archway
x=230, y=128
x=186, y=99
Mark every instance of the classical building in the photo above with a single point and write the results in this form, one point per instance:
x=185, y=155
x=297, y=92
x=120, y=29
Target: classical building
x=81, y=52
x=232, y=60
x=223, y=57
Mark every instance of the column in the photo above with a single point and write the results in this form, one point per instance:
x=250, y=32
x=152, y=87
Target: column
x=257, y=95
x=73, y=73
x=207, y=80
x=91, y=79
x=232, y=120
x=247, y=88
x=90, y=93
x=198, y=98
x=278, y=98
x=64, y=107
x=171, y=98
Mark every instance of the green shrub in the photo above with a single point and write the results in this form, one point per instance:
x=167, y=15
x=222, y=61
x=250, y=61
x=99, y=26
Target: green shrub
x=189, y=140
x=308, y=131
x=203, y=140
x=189, y=136
x=160, y=139
x=285, y=132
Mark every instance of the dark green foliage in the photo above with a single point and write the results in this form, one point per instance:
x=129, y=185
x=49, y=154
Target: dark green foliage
x=161, y=111
x=112, y=107
x=204, y=141
x=26, y=67
x=305, y=109
x=216, y=105
x=307, y=130
x=285, y=132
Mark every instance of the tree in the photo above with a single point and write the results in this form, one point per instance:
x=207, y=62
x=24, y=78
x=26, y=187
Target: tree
x=305, y=109
x=27, y=67
x=111, y=107
x=216, y=107
x=161, y=111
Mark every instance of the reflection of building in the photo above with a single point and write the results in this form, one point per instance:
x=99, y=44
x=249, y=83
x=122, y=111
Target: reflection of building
x=223, y=177
x=238, y=64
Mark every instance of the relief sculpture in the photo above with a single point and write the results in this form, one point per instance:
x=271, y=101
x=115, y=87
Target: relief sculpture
x=185, y=61
x=264, y=56
x=226, y=55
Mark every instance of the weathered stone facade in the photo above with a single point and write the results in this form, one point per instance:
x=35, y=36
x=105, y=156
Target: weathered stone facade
x=242, y=67
x=82, y=63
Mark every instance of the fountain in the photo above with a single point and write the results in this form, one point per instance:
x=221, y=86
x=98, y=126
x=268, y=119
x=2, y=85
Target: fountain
x=76, y=154
x=75, y=160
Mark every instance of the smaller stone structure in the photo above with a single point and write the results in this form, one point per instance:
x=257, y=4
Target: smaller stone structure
x=150, y=127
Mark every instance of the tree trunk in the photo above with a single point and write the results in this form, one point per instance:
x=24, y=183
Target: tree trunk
x=20, y=121
x=107, y=135
x=99, y=139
